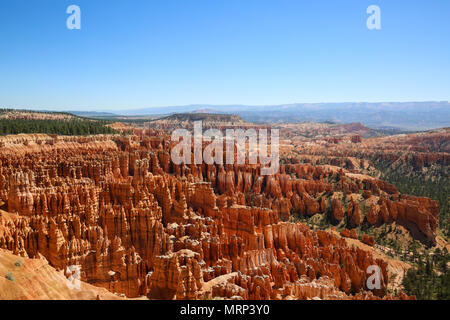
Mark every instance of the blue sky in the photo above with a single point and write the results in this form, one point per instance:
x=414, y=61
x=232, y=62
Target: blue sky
x=139, y=54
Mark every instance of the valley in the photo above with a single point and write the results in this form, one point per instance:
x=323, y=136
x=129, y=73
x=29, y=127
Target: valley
x=345, y=198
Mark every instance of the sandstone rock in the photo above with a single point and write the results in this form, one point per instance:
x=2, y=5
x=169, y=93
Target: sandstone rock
x=137, y=224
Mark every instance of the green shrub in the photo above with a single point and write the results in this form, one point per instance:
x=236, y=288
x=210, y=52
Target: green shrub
x=10, y=277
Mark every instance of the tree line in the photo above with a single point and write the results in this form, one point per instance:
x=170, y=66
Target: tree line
x=60, y=127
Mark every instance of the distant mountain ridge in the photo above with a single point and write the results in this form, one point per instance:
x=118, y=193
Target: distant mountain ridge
x=187, y=120
x=93, y=114
x=203, y=117
x=383, y=115
x=396, y=116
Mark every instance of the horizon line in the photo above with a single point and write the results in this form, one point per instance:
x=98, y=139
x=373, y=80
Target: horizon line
x=109, y=109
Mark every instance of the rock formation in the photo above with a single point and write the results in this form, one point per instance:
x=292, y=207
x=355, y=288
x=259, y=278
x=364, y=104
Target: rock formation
x=139, y=225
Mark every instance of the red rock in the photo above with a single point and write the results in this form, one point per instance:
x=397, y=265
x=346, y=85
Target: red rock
x=349, y=233
x=354, y=214
x=338, y=210
x=139, y=225
x=369, y=240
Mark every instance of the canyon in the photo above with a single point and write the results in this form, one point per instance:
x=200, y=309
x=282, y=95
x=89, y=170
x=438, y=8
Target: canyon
x=138, y=225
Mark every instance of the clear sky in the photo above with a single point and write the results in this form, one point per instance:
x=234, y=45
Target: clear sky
x=145, y=53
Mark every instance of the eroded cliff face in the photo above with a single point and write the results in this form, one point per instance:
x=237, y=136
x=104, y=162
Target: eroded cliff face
x=35, y=279
x=139, y=225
